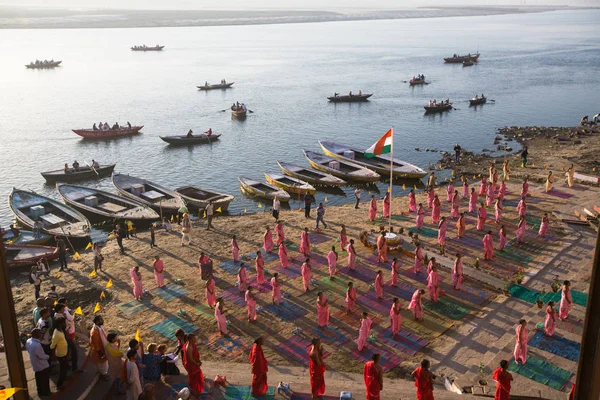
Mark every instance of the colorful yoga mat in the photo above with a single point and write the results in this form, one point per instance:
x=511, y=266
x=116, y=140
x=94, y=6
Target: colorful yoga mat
x=542, y=372
x=558, y=345
x=447, y=308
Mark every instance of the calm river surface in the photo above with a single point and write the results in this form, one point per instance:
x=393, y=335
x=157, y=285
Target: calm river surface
x=540, y=68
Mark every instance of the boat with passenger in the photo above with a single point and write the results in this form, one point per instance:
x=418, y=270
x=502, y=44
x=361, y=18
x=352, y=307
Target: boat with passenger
x=434, y=107
x=350, y=97
x=146, y=48
x=43, y=64
x=105, y=131
x=223, y=85
x=458, y=59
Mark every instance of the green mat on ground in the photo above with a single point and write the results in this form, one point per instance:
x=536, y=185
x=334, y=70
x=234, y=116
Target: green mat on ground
x=245, y=393
x=424, y=232
x=542, y=372
x=133, y=307
x=531, y=296
x=168, y=327
x=514, y=254
x=447, y=308
x=170, y=292
x=206, y=311
x=395, y=218
x=338, y=285
x=523, y=293
x=579, y=298
x=532, y=222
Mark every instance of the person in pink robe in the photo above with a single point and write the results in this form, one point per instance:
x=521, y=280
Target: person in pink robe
x=251, y=304
x=522, y=207
x=351, y=255
x=242, y=279
x=550, y=323
x=473, y=201
x=455, y=205
x=524, y=188
x=420, y=218
x=136, y=280
x=442, y=234
x=280, y=233
x=483, y=187
x=521, y=342
x=521, y=229
x=220, y=316
x=502, y=237
x=436, y=210
x=381, y=248
x=350, y=298
x=211, y=297
x=305, y=243
x=457, y=272
x=276, y=289
x=235, y=249
x=379, y=285
x=305, y=270
x=387, y=202
x=322, y=310
x=450, y=191
x=502, y=190
x=416, y=304
x=461, y=226
x=412, y=201
x=430, y=265
x=268, y=240
x=418, y=258
x=465, y=189
x=489, y=198
x=372, y=208
x=259, y=264
x=395, y=316
x=433, y=284
x=283, y=255
x=159, y=271
x=343, y=238
x=332, y=258
x=498, y=209
x=481, y=217
x=363, y=333
x=395, y=271
x=488, y=246
x=544, y=225
x=430, y=197
x=566, y=301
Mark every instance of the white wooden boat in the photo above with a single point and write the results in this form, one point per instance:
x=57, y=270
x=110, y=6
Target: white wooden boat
x=147, y=193
x=340, y=168
x=22, y=255
x=290, y=184
x=199, y=198
x=263, y=190
x=310, y=175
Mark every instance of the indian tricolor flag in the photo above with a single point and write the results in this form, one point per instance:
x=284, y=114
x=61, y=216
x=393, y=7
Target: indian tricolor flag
x=382, y=146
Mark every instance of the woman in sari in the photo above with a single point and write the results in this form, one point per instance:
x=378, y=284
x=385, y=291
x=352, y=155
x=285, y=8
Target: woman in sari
x=192, y=364
x=259, y=369
x=235, y=249
x=136, y=280
x=550, y=323
x=268, y=240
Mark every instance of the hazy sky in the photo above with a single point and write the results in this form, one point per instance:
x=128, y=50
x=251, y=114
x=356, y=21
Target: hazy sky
x=280, y=4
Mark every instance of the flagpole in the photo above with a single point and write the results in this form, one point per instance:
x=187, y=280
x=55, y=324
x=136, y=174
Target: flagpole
x=391, y=179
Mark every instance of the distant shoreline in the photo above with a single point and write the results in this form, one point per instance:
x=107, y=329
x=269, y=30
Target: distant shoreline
x=48, y=18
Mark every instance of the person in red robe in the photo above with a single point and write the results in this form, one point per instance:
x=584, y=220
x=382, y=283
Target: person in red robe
x=502, y=378
x=373, y=375
x=192, y=364
x=316, y=369
x=424, y=381
x=259, y=369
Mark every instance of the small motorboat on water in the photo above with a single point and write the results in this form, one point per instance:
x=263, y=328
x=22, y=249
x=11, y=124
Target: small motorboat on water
x=263, y=190
x=379, y=164
x=290, y=184
x=101, y=205
x=18, y=255
x=43, y=64
x=475, y=101
x=109, y=133
x=147, y=193
x=438, y=107
x=82, y=173
x=146, y=48
x=216, y=86
x=340, y=168
x=458, y=59
x=25, y=237
x=310, y=175
x=199, y=198
x=188, y=140
x=51, y=216
x=350, y=98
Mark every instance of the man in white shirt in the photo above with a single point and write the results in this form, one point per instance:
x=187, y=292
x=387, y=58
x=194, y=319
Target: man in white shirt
x=357, y=196
x=276, y=208
x=39, y=363
x=209, y=215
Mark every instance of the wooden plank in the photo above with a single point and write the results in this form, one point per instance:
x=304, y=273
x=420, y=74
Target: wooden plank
x=590, y=213
x=586, y=178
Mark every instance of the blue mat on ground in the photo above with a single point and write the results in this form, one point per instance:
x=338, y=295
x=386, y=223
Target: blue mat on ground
x=230, y=266
x=133, y=307
x=245, y=393
x=338, y=285
x=420, y=277
x=369, y=300
x=234, y=296
x=229, y=347
x=408, y=343
x=267, y=257
x=331, y=336
x=286, y=311
x=292, y=271
x=296, y=349
x=447, y=308
x=542, y=372
x=260, y=287
x=400, y=290
x=168, y=327
x=317, y=238
x=170, y=292
x=383, y=265
x=387, y=362
x=556, y=345
x=424, y=232
x=361, y=274
x=469, y=294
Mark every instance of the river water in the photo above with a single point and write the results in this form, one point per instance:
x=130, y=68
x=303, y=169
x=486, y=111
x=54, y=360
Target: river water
x=540, y=68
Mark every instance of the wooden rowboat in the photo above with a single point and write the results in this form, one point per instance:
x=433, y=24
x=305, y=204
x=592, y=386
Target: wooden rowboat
x=263, y=190
x=108, y=134
x=42, y=65
x=290, y=184
x=199, y=198
x=238, y=114
x=57, y=219
x=186, y=140
x=81, y=174
x=350, y=99
x=146, y=48
x=217, y=86
x=340, y=168
x=477, y=101
x=438, y=108
x=457, y=59
x=310, y=175
x=101, y=205
x=25, y=238
x=379, y=164
x=414, y=82
x=18, y=255
x=147, y=193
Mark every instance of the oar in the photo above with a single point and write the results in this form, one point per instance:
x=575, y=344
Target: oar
x=250, y=111
x=94, y=169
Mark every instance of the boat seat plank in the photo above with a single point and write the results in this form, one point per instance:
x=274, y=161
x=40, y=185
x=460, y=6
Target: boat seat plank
x=153, y=195
x=52, y=219
x=111, y=207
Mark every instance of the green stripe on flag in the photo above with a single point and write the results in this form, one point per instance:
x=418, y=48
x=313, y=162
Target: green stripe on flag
x=386, y=149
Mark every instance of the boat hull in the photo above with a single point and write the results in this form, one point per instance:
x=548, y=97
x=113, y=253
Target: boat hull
x=43, y=66
x=303, y=189
x=21, y=255
x=418, y=82
x=215, y=87
x=350, y=99
x=308, y=176
x=86, y=173
x=171, y=204
x=187, y=141
x=238, y=114
x=219, y=200
x=110, y=134
x=460, y=59
x=155, y=48
x=246, y=185
x=26, y=238
x=477, y=102
x=432, y=110
x=361, y=174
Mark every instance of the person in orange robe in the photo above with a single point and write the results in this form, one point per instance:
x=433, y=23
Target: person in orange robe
x=192, y=364
x=98, y=343
x=382, y=248
x=424, y=381
x=502, y=378
x=316, y=369
x=259, y=369
x=373, y=375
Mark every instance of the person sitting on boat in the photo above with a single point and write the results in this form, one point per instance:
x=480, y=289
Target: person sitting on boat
x=350, y=94
x=434, y=102
x=117, y=125
x=336, y=95
x=106, y=127
x=429, y=104
x=360, y=92
x=476, y=97
x=16, y=232
x=114, y=127
x=95, y=164
x=243, y=107
x=95, y=127
x=129, y=124
x=75, y=166
x=454, y=56
x=233, y=106
x=190, y=133
x=482, y=96
x=208, y=132
x=66, y=168
x=205, y=83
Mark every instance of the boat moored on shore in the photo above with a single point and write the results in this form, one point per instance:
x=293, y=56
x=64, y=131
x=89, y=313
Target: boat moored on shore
x=341, y=168
x=147, y=193
x=262, y=190
x=199, y=198
x=312, y=176
x=290, y=184
x=18, y=255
